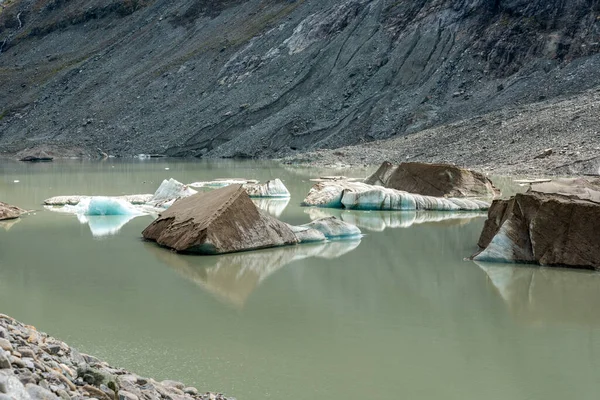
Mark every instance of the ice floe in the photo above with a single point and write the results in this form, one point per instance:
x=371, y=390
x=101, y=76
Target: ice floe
x=270, y=189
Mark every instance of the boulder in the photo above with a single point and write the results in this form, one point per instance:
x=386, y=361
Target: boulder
x=35, y=156
x=9, y=212
x=544, y=228
x=438, y=180
x=220, y=221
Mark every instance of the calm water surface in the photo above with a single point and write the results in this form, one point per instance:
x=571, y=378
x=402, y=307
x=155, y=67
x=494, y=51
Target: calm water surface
x=399, y=314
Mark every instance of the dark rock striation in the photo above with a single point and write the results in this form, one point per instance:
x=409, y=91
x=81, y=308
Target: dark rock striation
x=439, y=180
x=269, y=78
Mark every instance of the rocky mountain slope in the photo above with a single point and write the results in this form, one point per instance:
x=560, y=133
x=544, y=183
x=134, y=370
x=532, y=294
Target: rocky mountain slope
x=271, y=78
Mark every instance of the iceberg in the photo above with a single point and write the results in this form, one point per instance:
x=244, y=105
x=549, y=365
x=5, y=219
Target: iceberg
x=219, y=183
x=104, y=215
x=168, y=192
x=361, y=196
x=75, y=199
x=270, y=189
x=333, y=228
x=100, y=205
x=329, y=228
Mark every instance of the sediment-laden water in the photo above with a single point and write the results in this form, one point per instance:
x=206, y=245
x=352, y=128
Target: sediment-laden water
x=398, y=314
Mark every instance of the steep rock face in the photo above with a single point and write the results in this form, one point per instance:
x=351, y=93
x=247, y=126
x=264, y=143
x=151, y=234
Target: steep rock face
x=221, y=221
x=543, y=228
x=439, y=180
x=270, y=77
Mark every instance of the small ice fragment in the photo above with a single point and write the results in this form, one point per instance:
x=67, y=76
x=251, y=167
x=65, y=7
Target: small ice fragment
x=16, y=181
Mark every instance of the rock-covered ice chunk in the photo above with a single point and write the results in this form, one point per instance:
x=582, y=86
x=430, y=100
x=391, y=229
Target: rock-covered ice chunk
x=219, y=183
x=361, y=196
x=272, y=188
x=333, y=228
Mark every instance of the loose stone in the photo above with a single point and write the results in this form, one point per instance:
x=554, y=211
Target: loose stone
x=5, y=344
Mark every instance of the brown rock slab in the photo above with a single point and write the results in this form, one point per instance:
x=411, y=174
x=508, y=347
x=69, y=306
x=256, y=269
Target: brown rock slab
x=543, y=228
x=221, y=221
x=9, y=212
x=439, y=180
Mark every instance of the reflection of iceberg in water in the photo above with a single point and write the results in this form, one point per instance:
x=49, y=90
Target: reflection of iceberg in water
x=105, y=225
x=380, y=220
x=539, y=295
x=233, y=277
x=274, y=206
x=9, y=223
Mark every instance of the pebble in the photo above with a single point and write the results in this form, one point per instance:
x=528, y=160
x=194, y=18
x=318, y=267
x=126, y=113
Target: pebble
x=39, y=393
x=4, y=360
x=5, y=344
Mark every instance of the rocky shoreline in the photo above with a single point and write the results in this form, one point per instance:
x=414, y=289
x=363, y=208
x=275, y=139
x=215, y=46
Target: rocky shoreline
x=36, y=366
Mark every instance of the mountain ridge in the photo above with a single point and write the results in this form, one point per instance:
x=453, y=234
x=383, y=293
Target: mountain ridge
x=273, y=78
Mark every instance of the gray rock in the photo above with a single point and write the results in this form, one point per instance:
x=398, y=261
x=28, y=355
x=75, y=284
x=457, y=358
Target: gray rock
x=5, y=397
x=175, y=384
x=5, y=345
x=125, y=395
x=4, y=360
x=63, y=394
x=26, y=352
x=39, y=393
x=11, y=386
x=52, y=349
x=3, y=332
x=28, y=363
x=191, y=390
x=27, y=378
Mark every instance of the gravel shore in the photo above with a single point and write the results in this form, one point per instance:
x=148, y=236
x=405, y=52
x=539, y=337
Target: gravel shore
x=35, y=366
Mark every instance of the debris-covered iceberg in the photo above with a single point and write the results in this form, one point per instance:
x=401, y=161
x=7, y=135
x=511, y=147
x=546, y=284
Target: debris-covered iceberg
x=361, y=196
x=272, y=188
x=329, y=228
x=219, y=183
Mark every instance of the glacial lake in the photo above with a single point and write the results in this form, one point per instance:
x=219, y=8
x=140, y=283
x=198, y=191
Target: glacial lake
x=399, y=314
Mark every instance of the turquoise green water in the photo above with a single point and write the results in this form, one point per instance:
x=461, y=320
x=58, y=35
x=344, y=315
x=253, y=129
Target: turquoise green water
x=399, y=314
